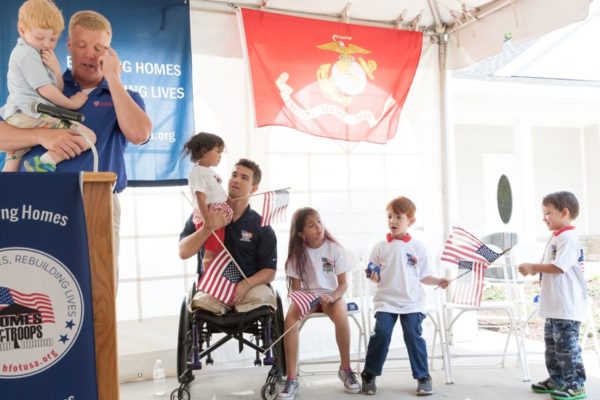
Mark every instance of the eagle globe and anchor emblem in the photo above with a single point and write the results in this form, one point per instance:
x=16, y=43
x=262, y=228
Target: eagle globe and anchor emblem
x=346, y=77
x=339, y=82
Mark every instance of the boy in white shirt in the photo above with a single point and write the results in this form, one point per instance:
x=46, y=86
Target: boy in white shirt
x=403, y=266
x=563, y=299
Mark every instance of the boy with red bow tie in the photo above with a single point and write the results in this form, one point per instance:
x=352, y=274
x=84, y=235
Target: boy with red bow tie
x=403, y=266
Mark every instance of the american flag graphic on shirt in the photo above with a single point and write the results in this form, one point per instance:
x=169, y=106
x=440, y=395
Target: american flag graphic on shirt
x=274, y=206
x=463, y=246
x=305, y=301
x=221, y=278
x=35, y=301
x=468, y=288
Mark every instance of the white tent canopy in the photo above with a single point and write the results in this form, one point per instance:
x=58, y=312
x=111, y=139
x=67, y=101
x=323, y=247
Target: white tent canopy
x=473, y=30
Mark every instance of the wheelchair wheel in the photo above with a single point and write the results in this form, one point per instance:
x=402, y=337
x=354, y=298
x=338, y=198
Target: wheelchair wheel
x=269, y=391
x=277, y=332
x=184, y=341
x=180, y=394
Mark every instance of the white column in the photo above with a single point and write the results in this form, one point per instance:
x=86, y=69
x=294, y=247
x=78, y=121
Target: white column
x=526, y=207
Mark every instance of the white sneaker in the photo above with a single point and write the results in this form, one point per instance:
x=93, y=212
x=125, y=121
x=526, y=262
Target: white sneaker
x=289, y=390
x=350, y=382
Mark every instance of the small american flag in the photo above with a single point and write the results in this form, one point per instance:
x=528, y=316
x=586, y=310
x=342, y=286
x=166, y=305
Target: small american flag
x=469, y=283
x=221, y=278
x=463, y=246
x=274, y=206
x=36, y=301
x=305, y=301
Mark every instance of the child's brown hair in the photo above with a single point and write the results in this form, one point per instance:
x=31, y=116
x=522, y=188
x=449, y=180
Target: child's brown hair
x=562, y=200
x=403, y=205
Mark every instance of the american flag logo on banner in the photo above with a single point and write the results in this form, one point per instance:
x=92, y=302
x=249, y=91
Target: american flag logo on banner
x=463, y=246
x=274, y=206
x=305, y=301
x=10, y=300
x=469, y=283
x=221, y=278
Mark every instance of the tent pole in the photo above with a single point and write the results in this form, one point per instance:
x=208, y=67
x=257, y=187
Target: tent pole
x=442, y=43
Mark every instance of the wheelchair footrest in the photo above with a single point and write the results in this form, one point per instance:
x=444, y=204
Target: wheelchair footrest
x=269, y=360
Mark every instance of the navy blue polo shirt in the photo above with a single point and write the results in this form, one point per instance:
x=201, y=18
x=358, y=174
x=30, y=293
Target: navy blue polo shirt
x=101, y=117
x=253, y=247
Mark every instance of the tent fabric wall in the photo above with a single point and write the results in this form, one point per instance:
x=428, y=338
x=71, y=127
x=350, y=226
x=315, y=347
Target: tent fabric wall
x=412, y=166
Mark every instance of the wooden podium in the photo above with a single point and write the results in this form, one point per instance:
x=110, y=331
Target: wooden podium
x=97, y=202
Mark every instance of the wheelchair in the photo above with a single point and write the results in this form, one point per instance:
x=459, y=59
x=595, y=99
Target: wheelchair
x=263, y=324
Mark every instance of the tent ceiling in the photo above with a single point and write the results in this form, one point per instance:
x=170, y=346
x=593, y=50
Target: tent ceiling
x=474, y=29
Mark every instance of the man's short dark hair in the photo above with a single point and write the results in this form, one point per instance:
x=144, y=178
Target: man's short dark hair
x=251, y=165
x=562, y=200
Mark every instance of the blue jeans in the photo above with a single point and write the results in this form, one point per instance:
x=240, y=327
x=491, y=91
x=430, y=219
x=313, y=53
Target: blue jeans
x=379, y=343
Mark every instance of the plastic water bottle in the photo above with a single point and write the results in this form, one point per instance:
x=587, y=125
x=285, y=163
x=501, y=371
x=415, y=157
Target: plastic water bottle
x=160, y=379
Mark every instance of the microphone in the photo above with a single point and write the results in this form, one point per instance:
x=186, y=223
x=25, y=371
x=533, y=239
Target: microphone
x=57, y=112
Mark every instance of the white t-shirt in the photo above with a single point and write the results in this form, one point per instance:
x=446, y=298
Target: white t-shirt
x=326, y=263
x=564, y=296
x=205, y=180
x=403, y=266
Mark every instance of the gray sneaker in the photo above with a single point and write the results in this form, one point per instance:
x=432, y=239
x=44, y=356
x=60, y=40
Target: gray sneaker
x=289, y=390
x=425, y=386
x=368, y=383
x=350, y=382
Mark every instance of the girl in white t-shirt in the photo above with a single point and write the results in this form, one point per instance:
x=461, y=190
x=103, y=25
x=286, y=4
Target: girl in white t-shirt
x=205, y=187
x=317, y=264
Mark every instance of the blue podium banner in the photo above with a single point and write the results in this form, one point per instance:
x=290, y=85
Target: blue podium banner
x=47, y=346
x=152, y=39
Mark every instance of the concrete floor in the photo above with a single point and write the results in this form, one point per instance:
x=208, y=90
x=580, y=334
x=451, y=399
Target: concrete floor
x=472, y=380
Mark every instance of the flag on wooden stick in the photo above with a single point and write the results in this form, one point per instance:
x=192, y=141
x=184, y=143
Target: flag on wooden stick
x=305, y=301
x=274, y=206
x=221, y=278
x=469, y=283
x=463, y=246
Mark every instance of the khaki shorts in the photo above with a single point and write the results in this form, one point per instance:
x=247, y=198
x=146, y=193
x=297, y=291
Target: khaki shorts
x=22, y=120
x=261, y=295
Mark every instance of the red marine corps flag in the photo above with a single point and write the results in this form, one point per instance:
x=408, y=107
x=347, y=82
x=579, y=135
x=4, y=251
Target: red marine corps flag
x=331, y=79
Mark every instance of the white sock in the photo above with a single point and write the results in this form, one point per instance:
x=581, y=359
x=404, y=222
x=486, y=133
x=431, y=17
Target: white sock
x=45, y=158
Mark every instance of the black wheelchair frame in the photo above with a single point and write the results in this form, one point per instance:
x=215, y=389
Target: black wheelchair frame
x=264, y=324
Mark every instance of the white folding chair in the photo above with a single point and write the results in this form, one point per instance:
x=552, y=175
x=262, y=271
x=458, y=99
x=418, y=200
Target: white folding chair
x=466, y=296
x=355, y=303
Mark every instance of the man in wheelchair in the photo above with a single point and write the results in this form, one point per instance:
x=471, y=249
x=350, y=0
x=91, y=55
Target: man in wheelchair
x=255, y=307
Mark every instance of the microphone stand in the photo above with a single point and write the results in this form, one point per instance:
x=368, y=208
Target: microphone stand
x=67, y=117
x=69, y=125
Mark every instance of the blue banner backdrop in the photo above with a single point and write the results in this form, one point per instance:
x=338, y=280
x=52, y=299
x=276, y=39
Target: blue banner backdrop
x=153, y=41
x=46, y=323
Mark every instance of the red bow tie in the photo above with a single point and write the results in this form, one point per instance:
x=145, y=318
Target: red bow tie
x=405, y=238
